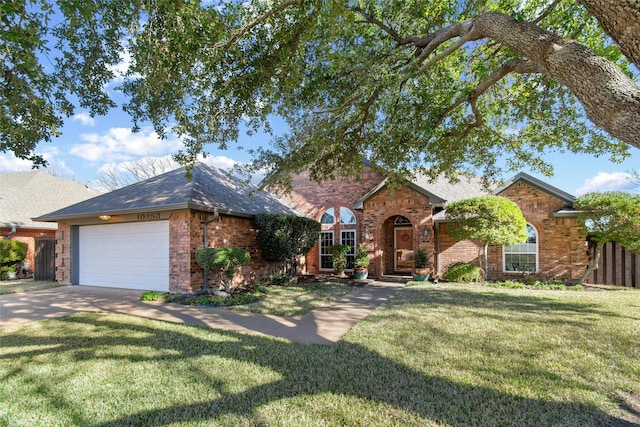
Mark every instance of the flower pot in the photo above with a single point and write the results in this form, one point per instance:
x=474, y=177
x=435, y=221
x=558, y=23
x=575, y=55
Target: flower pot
x=360, y=273
x=421, y=274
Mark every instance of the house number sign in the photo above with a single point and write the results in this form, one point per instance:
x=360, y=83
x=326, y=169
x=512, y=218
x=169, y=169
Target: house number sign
x=149, y=216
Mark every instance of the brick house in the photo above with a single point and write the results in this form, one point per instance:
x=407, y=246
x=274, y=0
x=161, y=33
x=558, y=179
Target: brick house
x=394, y=223
x=26, y=195
x=145, y=236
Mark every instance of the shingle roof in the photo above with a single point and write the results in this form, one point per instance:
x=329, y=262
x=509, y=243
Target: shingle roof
x=26, y=195
x=210, y=189
x=448, y=192
x=567, y=198
x=439, y=192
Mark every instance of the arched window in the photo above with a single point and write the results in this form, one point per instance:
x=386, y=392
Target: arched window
x=334, y=233
x=346, y=216
x=523, y=257
x=328, y=217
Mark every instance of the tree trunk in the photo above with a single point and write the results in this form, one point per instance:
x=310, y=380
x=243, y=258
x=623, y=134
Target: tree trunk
x=594, y=264
x=610, y=98
x=621, y=20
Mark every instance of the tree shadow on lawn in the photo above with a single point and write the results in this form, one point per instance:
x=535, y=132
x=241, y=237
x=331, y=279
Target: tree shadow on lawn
x=314, y=371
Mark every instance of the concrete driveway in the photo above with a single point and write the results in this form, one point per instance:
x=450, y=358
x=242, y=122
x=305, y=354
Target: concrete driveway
x=323, y=325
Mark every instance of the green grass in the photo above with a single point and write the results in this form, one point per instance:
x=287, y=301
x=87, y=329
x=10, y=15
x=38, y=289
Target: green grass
x=26, y=285
x=297, y=299
x=432, y=356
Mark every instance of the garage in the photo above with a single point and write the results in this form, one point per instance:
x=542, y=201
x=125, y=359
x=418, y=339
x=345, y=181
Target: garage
x=126, y=255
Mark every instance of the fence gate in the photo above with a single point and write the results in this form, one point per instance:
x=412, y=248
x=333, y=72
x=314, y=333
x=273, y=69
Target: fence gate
x=45, y=260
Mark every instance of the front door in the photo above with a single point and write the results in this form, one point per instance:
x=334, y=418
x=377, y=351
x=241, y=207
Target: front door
x=403, y=243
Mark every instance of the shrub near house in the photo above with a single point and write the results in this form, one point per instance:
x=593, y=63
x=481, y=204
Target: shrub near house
x=12, y=252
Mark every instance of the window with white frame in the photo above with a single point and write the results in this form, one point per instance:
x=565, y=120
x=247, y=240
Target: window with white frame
x=333, y=233
x=328, y=217
x=347, y=216
x=348, y=237
x=523, y=257
x=326, y=241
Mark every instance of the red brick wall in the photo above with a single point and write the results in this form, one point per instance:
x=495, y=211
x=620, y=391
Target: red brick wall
x=452, y=250
x=377, y=215
x=561, y=249
x=63, y=253
x=380, y=211
x=187, y=236
x=561, y=244
x=313, y=199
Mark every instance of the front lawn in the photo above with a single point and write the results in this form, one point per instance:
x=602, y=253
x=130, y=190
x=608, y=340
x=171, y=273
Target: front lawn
x=434, y=355
x=24, y=285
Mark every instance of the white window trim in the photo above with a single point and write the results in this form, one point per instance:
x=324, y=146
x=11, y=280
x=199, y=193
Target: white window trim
x=333, y=239
x=355, y=242
x=504, y=254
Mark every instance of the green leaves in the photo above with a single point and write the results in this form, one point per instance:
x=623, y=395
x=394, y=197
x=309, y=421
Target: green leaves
x=407, y=84
x=612, y=216
x=494, y=220
x=283, y=237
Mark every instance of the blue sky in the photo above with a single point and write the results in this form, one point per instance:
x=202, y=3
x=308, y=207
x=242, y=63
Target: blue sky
x=89, y=145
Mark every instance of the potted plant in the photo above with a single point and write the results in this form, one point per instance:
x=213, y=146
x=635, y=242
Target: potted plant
x=420, y=265
x=361, y=269
x=339, y=258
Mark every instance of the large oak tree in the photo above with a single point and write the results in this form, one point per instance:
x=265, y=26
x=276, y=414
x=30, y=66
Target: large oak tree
x=444, y=85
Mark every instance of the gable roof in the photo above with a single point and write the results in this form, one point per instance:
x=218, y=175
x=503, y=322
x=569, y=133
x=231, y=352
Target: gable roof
x=25, y=195
x=567, y=198
x=440, y=192
x=209, y=189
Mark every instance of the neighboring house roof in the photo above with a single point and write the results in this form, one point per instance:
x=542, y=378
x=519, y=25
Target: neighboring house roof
x=209, y=189
x=566, y=211
x=440, y=192
x=26, y=195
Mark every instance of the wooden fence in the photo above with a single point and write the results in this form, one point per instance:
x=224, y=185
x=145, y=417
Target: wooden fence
x=44, y=259
x=617, y=266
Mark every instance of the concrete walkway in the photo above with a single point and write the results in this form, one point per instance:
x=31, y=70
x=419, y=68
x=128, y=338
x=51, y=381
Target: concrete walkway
x=323, y=325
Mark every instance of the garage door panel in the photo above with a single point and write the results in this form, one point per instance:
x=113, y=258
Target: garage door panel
x=129, y=255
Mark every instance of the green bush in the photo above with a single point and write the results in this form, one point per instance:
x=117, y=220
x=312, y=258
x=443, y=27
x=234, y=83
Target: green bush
x=225, y=260
x=421, y=258
x=154, y=296
x=282, y=238
x=12, y=252
x=513, y=285
x=463, y=272
x=362, y=256
x=339, y=257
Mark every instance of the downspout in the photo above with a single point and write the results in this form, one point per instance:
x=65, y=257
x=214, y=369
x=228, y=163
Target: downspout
x=437, y=276
x=205, y=275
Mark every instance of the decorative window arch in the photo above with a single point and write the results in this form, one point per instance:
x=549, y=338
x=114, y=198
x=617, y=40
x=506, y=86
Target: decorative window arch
x=328, y=217
x=347, y=216
x=523, y=257
x=335, y=232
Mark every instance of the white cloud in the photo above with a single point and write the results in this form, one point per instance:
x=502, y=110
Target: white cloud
x=605, y=181
x=10, y=163
x=121, y=144
x=84, y=118
x=220, y=162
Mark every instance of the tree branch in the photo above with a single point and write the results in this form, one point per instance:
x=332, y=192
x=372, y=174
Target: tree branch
x=259, y=20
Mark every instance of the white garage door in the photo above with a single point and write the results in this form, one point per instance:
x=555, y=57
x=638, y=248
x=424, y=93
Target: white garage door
x=131, y=255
